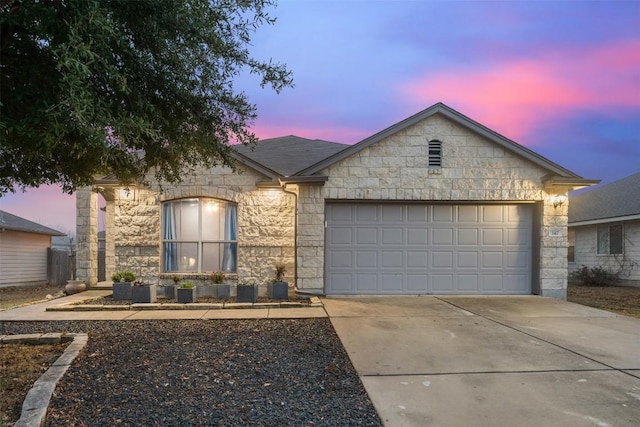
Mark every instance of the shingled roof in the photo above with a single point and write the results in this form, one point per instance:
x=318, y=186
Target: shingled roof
x=12, y=222
x=289, y=154
x=616, y=201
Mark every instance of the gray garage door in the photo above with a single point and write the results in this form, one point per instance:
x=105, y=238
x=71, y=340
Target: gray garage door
x=394, y=248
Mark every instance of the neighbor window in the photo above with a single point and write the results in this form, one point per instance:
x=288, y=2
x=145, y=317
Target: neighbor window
x=435, y=153
x=199, y=236
x=609, y=239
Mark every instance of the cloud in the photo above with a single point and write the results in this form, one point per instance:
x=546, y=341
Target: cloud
x=518, y=97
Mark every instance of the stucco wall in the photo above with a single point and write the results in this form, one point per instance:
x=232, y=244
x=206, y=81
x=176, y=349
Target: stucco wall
x=628, y=264
x=473, y=169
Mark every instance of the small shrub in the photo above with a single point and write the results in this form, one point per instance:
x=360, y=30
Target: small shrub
x=217, y=277
x=280, y=269
x=187, y=285
x=123, y=276
x=594, y=276
x=176, y=279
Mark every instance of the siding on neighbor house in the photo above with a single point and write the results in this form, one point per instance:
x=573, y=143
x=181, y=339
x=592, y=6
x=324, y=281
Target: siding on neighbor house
x=266, y=226
x=627, y=264
x=23, y=258
x=396, y=169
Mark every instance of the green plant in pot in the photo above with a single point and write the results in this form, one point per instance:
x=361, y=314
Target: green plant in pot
x=220, y=289
x=122, y=282
x=247, y=292
x=143, y=292
x=278, y=288
x=186, y=293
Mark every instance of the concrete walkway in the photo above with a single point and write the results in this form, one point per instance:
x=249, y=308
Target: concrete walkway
x=492, y=361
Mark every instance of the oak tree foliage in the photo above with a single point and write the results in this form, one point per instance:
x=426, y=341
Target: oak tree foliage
x=122, y=87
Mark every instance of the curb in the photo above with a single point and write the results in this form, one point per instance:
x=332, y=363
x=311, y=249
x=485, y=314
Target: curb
x=314, y=302
x=36, y=403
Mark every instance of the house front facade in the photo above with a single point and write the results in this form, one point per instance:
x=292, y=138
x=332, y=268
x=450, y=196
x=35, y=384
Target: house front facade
x=604, y=229
x=435, y=204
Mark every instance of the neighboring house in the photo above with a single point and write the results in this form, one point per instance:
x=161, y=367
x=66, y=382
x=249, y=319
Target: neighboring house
x=435, y=204
x=23, y=250
x=604, y=228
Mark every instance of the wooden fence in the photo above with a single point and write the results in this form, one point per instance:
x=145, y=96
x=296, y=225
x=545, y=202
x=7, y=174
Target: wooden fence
x=61, y=266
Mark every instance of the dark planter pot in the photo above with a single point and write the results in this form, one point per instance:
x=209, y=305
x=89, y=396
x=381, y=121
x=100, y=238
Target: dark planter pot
x=170, y=291
x=206, y=291
x=247, y=293
x=121, y=290
x=278, y=290
x=222, y=290
x=186, y=295
x=143, y=294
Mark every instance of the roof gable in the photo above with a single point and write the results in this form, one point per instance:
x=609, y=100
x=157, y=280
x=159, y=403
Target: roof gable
x=13, y=222
x=458, y=118
x=288, y=154
x=613, y=201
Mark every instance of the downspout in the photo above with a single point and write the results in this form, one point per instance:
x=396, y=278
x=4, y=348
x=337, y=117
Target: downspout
x=295, y=235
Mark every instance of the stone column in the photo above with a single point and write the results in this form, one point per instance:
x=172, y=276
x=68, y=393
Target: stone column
x=110, y=242
x=554, y=249
x=310, y=238
x=87, y=236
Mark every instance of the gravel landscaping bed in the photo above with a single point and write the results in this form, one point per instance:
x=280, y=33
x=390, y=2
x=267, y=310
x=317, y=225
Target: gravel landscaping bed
x=207, y=372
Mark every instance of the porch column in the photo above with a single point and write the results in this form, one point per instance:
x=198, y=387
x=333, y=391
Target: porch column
x=87, y=236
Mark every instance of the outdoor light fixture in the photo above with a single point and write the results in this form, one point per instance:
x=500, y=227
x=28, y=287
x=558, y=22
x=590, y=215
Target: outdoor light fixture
x=559, y=200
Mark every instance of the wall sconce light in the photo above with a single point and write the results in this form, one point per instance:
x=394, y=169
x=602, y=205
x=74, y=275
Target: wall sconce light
x=559, y=200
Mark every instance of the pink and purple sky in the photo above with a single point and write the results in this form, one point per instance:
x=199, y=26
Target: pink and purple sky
x=560, y=77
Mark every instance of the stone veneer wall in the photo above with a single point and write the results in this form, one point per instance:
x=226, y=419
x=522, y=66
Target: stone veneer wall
x=473, y=169
x=266, y=226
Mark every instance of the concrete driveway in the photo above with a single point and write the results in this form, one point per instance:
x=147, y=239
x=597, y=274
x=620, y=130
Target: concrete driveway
x=492, y=361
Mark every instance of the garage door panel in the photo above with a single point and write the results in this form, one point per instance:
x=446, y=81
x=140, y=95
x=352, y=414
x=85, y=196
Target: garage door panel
x=340, y=236
x=417, y=236
x=466, y=259
x=417, y=213
x=396, y=248
x=467, y=236
x=468, y=283
x=393, y=236
x=493, y=214
x=417, y=283
x=366, y=282
x=493, y=236
x=442, y=236
x=442, y=259
x=366, y=213
x=492, y=259
x=391, y=283
x=367, y=259
x=417, y=259
x=442, y=283
x=366, y=236
x=468, y=214
x=392, y=259
x=392, y=213
x=442, y=213
x=341, y=259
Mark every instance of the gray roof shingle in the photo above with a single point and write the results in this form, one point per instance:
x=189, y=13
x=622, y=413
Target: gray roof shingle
x=289, y=154
x=617, y=199
x=13, y=222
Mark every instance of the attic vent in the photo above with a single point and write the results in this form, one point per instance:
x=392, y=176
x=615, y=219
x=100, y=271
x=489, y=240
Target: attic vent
x=435, y=153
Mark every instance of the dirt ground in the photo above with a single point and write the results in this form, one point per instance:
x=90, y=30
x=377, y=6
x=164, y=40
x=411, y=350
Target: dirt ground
x=14, y=296
x=618, y=299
